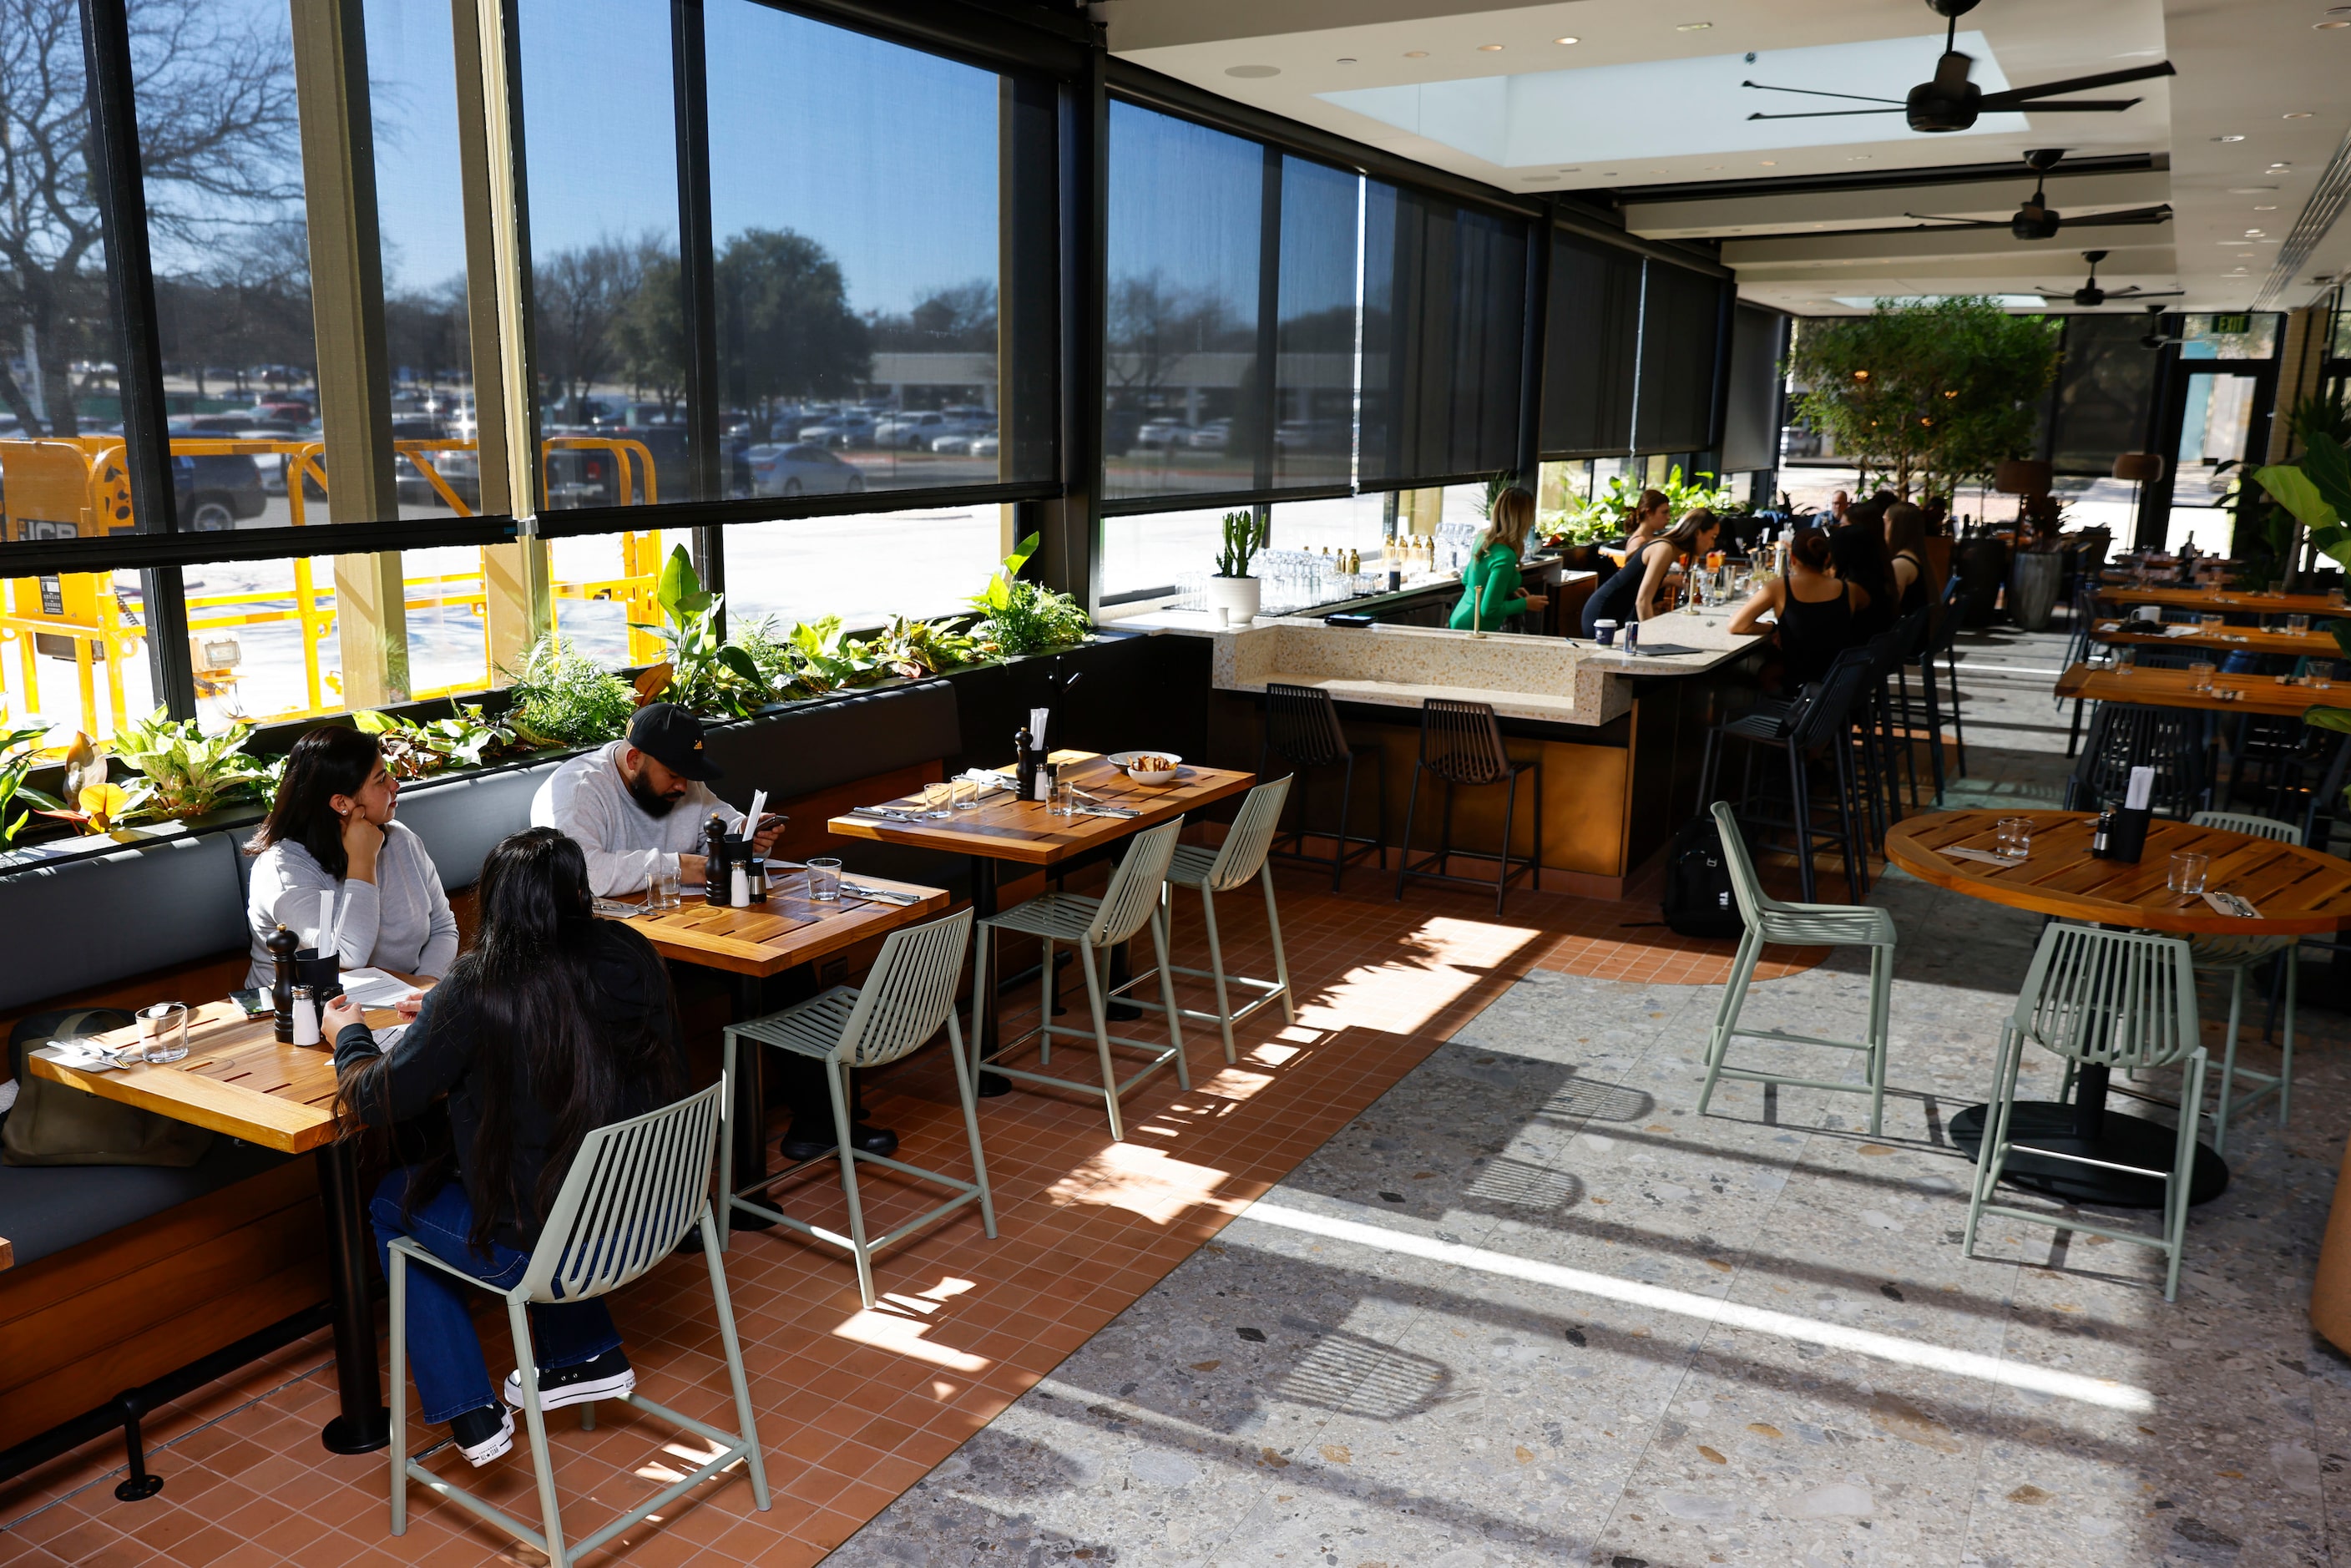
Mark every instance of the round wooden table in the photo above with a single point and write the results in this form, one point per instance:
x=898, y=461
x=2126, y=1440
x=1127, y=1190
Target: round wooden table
x=2298, y=891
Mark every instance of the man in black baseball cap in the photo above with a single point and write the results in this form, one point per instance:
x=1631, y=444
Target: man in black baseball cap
x=637, y=806
x=672, y=738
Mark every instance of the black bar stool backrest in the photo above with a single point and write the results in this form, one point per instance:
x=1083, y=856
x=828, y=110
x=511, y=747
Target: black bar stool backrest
x=1847, y=678
x=1911, y=631
x=2326, y=803
x=1302, y=723
x=1943, y=630
x=1461, y=742
x=2128, y=735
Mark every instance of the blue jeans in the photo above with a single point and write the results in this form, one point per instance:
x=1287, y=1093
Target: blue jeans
x=444, y=1354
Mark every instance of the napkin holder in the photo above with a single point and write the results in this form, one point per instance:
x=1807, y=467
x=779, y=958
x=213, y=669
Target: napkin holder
x=2127, y=839
x=324, y=975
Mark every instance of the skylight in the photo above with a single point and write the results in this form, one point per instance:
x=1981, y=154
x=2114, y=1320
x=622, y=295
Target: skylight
x=1663, y=109
x=1872, y=301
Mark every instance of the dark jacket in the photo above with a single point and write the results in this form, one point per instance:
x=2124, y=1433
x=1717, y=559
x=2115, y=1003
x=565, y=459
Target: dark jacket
x=437, y=1056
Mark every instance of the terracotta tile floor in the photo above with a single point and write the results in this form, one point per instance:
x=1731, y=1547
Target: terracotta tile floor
x=854, y=1405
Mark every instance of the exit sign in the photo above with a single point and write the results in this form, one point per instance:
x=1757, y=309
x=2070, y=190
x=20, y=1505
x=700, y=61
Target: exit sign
x=2226, y=326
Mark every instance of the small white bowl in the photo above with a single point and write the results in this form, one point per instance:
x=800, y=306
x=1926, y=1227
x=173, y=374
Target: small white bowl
x=1126, y=760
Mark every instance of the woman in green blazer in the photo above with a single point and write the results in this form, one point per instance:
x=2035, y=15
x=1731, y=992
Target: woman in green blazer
x=1491, y=577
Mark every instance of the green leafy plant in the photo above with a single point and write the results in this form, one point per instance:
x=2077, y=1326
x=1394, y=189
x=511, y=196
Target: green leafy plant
x=705, y=673
x=1021, y=617
x=413, y=749
x=568, y=698
x=2317, y=491
x=1489, y=493
x=19, y=752
x=1245, y=534
x=916, y=648
x=188, y=772
x=1609, y=513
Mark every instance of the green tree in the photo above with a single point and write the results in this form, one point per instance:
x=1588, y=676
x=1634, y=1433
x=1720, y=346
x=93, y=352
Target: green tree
x=785, y=328
x=1931, y=393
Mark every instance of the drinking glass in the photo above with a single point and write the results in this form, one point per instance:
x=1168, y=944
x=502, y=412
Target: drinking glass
x=967, y=795
x=164, y=1027
x=824, y=879
x=2212, y=623
x=2335, y=597
x=2187, y=873
x=1067, y=799
x=2014, y=840
x=2296, y=625
x=938, y=800
x=660, y=892
x=2199, y=676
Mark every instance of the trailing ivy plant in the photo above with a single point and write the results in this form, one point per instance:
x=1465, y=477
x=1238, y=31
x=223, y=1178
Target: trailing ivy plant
x=188, y=772
x=19, y=751
x=1018, y=616
x=567, y=696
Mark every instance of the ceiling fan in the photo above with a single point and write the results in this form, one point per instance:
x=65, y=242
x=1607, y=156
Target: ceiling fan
x=1949, y=102
x=2090, y=295
x=2035, y=219
x=2157, y=338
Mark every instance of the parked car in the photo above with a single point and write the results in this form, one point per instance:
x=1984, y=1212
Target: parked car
x=913, y=431
x=1162, y=433
x=1310, y=436
x=960, y=442
x=840, y=429
x=214, y=493
x=1214, y=436
x=801, y=469
x=986, y=446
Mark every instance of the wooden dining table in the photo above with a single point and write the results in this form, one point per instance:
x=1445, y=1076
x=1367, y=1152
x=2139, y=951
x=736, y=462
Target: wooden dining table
x=2310, y=645
x=2266, y=694
x=238, y=1079
x=2221, y=600
x=1026, y=834
x=2297, y=892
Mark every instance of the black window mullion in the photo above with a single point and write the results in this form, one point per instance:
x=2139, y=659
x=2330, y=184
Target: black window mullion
x=130, y=279
x=1261, y=413
x=697, y=277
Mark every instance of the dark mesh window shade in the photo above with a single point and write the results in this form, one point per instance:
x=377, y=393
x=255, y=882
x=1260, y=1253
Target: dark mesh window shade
x=1314, y=382
x=1750, y=414
x=2105, y=387
x=1443, y=330
x=1592, y=337
x=1681, y=316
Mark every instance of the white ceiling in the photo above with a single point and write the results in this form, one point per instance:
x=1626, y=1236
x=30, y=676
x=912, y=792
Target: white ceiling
x=1643, y=102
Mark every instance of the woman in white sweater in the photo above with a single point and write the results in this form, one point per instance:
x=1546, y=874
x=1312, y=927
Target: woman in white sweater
x=331, y=859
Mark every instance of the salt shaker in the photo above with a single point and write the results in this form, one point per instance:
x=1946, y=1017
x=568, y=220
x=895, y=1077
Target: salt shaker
x=305, y=1016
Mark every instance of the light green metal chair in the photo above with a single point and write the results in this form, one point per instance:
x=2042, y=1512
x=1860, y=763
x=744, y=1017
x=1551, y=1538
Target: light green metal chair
x=2238, y=956
x=1227, y=869
x=2120, y=998
x=633, y=1191
x=1093, y=926
x=1771, y=923
x=907, y=995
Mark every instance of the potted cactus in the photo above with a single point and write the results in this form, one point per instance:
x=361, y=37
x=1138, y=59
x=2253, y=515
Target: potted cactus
x=1233, y=588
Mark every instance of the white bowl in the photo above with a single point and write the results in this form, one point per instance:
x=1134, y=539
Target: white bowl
x=1125, y=762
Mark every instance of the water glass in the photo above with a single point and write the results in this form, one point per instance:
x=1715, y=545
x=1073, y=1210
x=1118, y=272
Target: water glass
x=2296, y=625
x=966, y=795
x=2211, y=625
x=1067, y=799
x=938, y=800
x=661, y=891
x=2014, y=836
x=824, y=879
x=164, y=1027
x=2187, y=873
x=2199, y=676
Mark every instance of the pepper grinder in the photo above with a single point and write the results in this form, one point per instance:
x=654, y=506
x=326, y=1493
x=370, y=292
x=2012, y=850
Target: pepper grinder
x=281, y=946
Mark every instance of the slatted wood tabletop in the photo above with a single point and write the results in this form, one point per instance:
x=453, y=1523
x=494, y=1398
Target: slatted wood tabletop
x=236, y=1079
x=2175, y=688
x=2221, y=600
x=2310, y=645
x=788, y=930
x=1025, y=832
x=2299, y=892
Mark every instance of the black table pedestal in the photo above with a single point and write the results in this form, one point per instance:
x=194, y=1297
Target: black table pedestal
x=364, y=1425
x=750, y=1109
x=2088, y=1129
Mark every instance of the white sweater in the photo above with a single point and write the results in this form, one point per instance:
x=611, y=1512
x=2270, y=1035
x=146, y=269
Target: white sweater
x=588, y=801
x=399, y=921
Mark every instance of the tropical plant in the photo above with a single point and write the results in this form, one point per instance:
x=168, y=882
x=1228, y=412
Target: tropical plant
x=1018, y=616
x=467, y=739
x=1498, y=481
x=2317, y=490
x=916, y=648
x=567, y=696
x=189, y=772
x=19, y=751
x=1609, y=513
x=102, y=807
x=1932, y=393
x=704, y=674
x=1245, y=534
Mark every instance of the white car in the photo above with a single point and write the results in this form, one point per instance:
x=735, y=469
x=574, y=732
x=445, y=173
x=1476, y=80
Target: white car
x=962, y=442
x=1162, y=433
x=913, y=431
x=1214, y=436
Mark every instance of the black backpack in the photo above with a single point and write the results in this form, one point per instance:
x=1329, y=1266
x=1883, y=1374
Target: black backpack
x=1699, y=899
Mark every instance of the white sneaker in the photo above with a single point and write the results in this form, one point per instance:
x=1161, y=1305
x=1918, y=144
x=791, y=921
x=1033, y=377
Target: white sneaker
x=484, y=1434
x=607, y=1376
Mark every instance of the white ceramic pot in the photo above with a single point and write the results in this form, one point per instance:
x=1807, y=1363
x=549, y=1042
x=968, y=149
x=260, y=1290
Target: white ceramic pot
x=1238, y=595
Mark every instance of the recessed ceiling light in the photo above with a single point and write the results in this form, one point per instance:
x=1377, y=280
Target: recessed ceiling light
x=2275, y=167
x=1415, y=54
x=2296, y=114
x=2251, y=190
x=1860, y=158
x=2270, y=208
x=1770, y=163
x=2255, y=233
x=2227, y=139
x=1346, y=59
x=1713, y=168
x=1536, y=179
x=1567, y=40
x=2329, y=27
x=1252, y=73
x=1489, y=48
x=1692, y=27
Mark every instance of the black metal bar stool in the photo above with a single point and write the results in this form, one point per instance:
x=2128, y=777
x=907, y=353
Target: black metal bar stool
x=2124, y=735
x=1462, y=742
x=1302, y=723
x=1815, y=723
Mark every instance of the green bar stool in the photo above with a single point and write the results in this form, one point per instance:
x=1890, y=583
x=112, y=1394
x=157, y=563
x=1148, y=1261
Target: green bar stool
x=1093, y=926
x=2237, y=956
x=633, y=1193
x=1769, y=922
x=907, y=995
x=1241, y=857
x=2097, y=997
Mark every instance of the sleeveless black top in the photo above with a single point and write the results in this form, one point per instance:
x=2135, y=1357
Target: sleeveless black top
x=1619, y=598
x=1813, y=634
x=1913, y=598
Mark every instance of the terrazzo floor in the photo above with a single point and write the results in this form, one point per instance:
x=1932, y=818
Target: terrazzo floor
x=1529, y=1308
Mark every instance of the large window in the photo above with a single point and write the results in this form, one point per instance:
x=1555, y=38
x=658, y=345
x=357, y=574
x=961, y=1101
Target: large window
x=1682, y=314
x=923, y=563
x=1592, y=337
x=2105, y=394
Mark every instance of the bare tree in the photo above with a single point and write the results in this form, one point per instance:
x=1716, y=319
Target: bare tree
x=217, y=140
x=1154, y=326
x=580, y=295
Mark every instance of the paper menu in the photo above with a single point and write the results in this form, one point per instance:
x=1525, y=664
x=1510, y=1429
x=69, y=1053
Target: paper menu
x=2141, y=791
x=373, y=988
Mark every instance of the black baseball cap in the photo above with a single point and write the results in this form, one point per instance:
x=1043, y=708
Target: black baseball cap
x=672, y=738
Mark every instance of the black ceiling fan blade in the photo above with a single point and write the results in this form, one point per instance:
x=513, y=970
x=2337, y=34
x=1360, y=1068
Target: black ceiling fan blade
x=1958, y=222
x=1828, y=114
x=1819, y=92
x=2155, y=214
x=2136, y=292
x=2068, y=106
x=2010, y=98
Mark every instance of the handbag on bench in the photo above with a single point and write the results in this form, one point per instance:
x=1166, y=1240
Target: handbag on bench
x=55, y=1125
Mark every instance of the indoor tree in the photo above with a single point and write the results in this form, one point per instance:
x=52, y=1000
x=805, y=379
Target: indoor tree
x=1931, y=393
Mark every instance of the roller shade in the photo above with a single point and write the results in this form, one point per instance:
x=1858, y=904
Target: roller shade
x=1681, y=325
x=1591, y=341
x=1751, y=413
x=2105, y=394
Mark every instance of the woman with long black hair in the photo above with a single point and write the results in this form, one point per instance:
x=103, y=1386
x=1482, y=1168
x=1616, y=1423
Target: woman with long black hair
x=556, y=1024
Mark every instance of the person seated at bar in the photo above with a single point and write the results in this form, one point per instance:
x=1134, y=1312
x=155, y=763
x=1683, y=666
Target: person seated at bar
x=1858, y=552
x=1635, y=591
x=328, y=858
x=1490, y=581
x=555, y=1024
x=638, y=805
x=1915, y=581
x=1815, y=611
